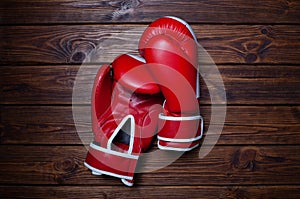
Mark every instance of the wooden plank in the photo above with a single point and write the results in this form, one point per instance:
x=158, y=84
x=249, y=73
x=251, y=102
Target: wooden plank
x=244, y=84
x=44, y=125
x=244, y=125
x=150, y=192
x=214, y=11
x=72, y=44
x=224, y=165
x=39, y=85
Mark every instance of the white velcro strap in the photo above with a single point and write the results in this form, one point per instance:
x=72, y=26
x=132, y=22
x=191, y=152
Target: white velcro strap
x=96, y=173
x=179, y=140
x=109, y=151
x=107, y=173
x=173, y=118
x=175, y=148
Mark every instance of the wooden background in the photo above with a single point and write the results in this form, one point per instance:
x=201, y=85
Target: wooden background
x=256, y=46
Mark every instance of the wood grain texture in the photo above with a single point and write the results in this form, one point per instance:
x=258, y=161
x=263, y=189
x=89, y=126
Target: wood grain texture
x=262, y=44
x=244, y=84
x=244, y=125
x=148, y=192
x=116, y=11
x=224, y=165
x=255, y=45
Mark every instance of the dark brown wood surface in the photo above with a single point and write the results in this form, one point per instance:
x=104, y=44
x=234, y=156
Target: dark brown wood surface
x=256, y=48
x=225, y=165
x=103, y=192
x=122, y=11
x=244, y=84
x=246, y=125
x=61, y=44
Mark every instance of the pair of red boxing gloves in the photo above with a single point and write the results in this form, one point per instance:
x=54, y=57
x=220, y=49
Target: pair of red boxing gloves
x=136, y=99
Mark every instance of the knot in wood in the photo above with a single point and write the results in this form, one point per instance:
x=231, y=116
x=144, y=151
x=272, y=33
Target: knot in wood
x=65, y=165
x=125, y=9
x=250, y=58
x=78, y=57
x=245, y=159
x=264, y=31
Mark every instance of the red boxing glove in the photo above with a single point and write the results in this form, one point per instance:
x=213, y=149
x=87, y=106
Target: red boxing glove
x=169, y=47
x=125, y=105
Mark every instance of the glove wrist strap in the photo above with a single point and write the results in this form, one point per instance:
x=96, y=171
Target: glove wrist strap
x=180, y=133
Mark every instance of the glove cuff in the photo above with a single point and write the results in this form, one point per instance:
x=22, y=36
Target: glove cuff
x=180, y=133
x=119, y=163
x=109, y=162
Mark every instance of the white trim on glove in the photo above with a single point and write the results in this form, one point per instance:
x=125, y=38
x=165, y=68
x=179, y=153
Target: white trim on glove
x=195, y=38
x=117, y=130
x=187, y=118
x=93, y=169
x=176, y=149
